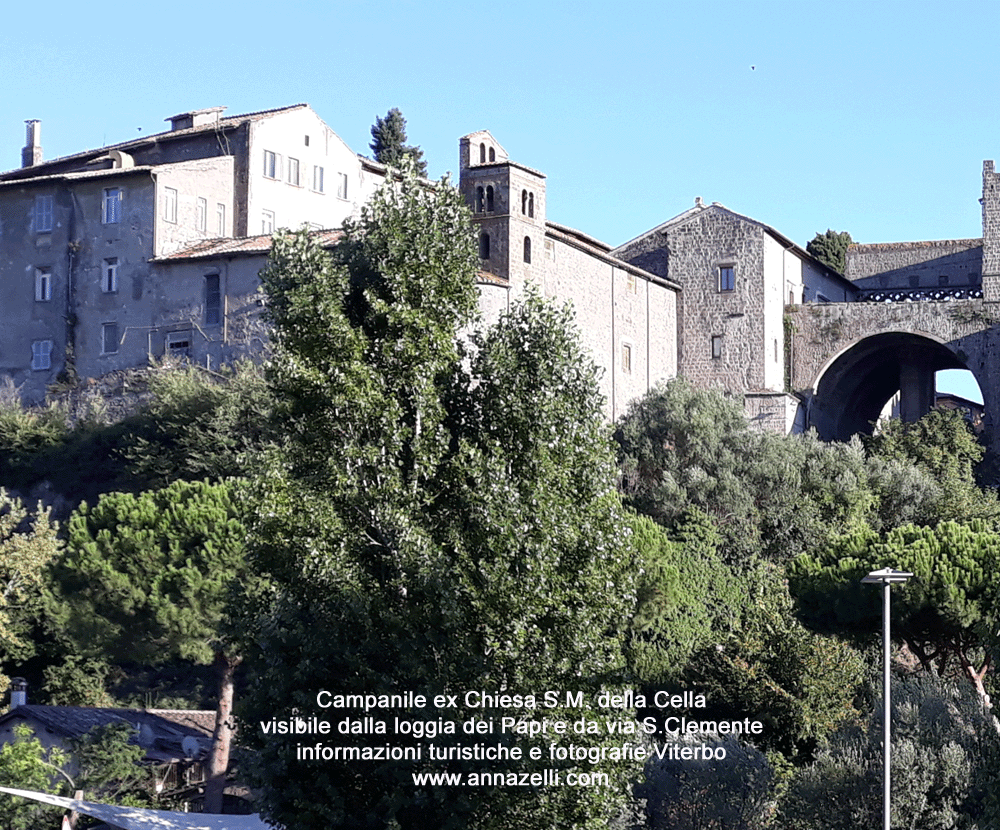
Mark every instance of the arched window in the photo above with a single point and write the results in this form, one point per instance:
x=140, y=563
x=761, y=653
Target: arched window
x=489, y=198
x=482, y=154
x=524, y=202
x=479, y=200
x=484, y=245
x=493, y=155
x=527, y=249
x=531, y=205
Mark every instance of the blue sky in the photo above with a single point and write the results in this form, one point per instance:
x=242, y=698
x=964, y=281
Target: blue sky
x=870, y=117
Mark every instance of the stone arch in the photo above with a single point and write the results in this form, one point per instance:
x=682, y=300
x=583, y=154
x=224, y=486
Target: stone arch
x=853, y=386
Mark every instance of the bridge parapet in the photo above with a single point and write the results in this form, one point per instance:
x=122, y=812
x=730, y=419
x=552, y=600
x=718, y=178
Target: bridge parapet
x=919, y=295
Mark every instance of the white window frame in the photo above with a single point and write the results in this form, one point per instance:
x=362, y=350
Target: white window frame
x=294, y=172
x=44, y=207
x=41, y=355
x=266, y=222
x=43, y=285
x=201, y=214
x=627, y=358
x=109, y=275
x=170, y=205
x=106, y=330
x=220, y=217
x=111, y=206
x=341, y=185
x=272, y=165
x=318, y=184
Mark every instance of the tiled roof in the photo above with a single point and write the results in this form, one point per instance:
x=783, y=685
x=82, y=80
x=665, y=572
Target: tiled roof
x=236, y=246
x=161, y=731
x=229, y=121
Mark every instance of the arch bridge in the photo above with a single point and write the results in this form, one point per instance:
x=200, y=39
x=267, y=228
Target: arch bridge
x=848, y=359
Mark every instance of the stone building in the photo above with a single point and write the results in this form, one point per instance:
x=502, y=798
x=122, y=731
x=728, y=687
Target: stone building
x=627, y=315
x=736, y=276
x=82, y=237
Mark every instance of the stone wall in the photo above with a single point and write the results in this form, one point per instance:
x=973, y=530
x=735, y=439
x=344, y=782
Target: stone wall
x=941, y=263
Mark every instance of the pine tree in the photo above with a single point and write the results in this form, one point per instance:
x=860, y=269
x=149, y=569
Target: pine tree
x=146, y=578
x=389, y=142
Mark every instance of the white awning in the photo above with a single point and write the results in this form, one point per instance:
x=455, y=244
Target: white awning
x=134, y=818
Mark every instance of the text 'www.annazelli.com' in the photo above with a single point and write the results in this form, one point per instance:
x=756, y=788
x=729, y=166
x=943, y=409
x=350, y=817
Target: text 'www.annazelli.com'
x=546, y=778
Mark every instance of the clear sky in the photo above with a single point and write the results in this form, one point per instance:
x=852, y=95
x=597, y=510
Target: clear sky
x=871, y=117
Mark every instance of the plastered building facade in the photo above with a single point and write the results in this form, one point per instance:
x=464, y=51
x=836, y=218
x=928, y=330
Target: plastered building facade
x=86, y=284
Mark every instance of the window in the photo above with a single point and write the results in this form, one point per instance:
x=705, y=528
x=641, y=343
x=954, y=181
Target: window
x=109, y=275
x=727, y=278
x=480, y=199
x=179, y=343
x=220, y=218
x=489, y=198
x=716, y=346
x=43, y=213
x=527, y=249
x=307, y=141
x=293, y=171
x=482, y=154
x=942, y=279
x=524, y=202
x=531, y=205
x=201, y=216
x=213, y=300
x=109, y=338
x=272, y=165
x=41, y=355
x=493, y=155
x=267, y=222
x=791, y=296
x=484, y=246
x=170, y=204
x=43, y=285
x=342, y=185
x=318, y=179
x=626, y=357
x=630, y=283
x=111, y=207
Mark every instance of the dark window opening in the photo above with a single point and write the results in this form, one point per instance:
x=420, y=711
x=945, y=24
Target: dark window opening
x=484, y=246
x=527, y=249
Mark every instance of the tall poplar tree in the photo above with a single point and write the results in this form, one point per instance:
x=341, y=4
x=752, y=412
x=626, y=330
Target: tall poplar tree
x=436, y=521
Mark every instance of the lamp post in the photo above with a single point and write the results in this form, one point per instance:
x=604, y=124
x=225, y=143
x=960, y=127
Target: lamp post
x=885, y=577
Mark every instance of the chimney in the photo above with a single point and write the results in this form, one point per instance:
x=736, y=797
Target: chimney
x=18, y=692
x=32, y=152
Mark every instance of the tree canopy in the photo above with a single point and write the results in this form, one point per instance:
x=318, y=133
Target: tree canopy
x=439, y=517
x=146, y=578
x=389, y=142
x=830, y=248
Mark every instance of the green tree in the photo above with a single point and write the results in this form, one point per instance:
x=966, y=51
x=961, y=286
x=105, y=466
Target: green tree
x=27, y=545
x=199, y=424
x=830, y=248
x=146, y=578
x=435, y=521
x=109, y=766
x=943, y=766
x=942, y=446
x=686, y=598
x=946, y=615
x=769, y=496
x=389, y=142
x=26, y=765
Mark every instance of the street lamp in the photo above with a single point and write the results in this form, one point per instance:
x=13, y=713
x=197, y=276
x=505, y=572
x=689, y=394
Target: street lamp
x=885, y=577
